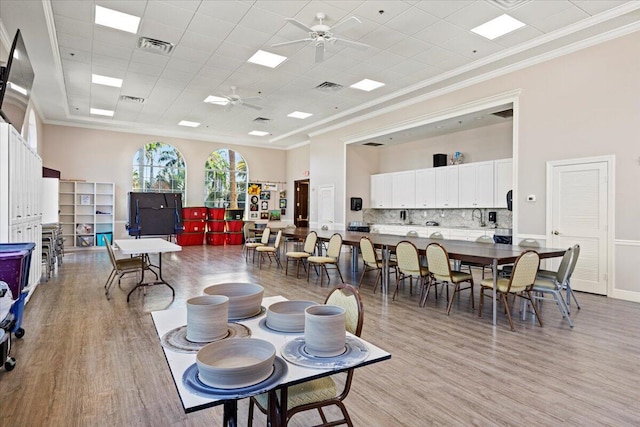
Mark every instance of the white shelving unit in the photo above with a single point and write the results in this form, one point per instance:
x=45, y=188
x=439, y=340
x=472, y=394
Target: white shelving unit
x=86, y=212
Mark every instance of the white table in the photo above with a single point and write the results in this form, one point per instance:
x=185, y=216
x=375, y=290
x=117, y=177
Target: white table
x=148, y=246
x=166, y=320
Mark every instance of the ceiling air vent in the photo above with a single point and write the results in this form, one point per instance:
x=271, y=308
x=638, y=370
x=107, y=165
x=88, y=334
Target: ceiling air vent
x=156, y=46
x=329, y=87
x=373, y=144
x=509, y=4
x=135, y=99
x=261, y=120
x=504, y=114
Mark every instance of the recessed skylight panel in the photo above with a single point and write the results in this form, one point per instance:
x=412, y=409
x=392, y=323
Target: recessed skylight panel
x=106, y=81
x=367, y=85
x=99, y=112
x=217, y=100
x=299, y=115
x=258, y=133
x=267, y=59
x=118, y=20
x=497, y=27
x=187, y=123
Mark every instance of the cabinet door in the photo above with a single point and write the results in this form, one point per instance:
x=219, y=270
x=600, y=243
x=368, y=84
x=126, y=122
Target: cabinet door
x=476, y=185
x=403, y=189
x=467, y=186
x=503, y=170
x=425, y=188
x=381, y=190
x=447, y=187
x=484, y=184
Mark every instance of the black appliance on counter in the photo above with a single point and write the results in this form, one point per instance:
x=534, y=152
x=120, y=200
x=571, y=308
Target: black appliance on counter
x=359, y=226
x=503, y=235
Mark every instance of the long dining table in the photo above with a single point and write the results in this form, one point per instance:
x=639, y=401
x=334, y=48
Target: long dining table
x=460, y=250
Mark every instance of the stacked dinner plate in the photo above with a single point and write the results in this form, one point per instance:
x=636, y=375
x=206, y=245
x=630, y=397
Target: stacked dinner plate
x=287, y=316
x=245, y=299
x=237, y=363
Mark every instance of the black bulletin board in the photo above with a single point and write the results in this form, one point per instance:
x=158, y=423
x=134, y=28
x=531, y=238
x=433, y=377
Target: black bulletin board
x=154, y=214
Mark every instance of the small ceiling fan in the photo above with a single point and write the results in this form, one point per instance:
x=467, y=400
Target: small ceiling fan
x=320, y=35
x=233, y=99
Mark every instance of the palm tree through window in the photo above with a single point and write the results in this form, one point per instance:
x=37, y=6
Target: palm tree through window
x=225, y=180
x=159, y=168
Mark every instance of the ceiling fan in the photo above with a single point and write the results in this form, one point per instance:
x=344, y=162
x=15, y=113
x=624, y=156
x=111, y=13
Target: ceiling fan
x=320, y=35
x=233, y=99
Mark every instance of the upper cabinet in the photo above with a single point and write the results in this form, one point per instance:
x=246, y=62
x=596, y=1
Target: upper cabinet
x=503, y=181
x=475, y=185
x=447, y=187
x=381, y=190
x=425, y=185
x=403, y=190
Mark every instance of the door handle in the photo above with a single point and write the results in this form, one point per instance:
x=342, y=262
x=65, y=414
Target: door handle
x=556, y=232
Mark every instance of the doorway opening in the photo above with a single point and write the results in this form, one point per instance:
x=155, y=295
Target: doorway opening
x=301, y=206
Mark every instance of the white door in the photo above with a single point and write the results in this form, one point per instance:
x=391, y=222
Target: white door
x=579, y=214
x=326, y=202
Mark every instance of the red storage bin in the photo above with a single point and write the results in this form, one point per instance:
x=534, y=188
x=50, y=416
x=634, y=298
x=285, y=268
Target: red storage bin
x=194, y=213
x=215, y=238
x=234, y=238
x=215, y=214
x=234, y=226
x=194, y=226
x=190, y=239
x=215, y=226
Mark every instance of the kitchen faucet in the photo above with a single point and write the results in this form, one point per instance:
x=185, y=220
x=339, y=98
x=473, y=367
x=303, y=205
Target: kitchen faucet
x=473, y=216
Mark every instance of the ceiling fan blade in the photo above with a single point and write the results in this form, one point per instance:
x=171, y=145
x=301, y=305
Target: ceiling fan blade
x=319, y=52
x=246, y=98
x=292, y=42
x=255, y=107
x=299, y=24
x=347, y=23
x=351, y=43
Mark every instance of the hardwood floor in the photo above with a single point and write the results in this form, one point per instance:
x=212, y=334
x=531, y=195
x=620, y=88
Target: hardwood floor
x=86, y=361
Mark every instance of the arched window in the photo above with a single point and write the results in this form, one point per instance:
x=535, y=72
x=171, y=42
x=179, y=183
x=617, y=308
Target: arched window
x=225, y=181
x=159, y=168
x=32, y=136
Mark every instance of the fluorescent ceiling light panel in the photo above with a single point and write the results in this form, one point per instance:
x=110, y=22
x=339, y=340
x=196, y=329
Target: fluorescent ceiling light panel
x=189, y=124
x=299, y=115
x=100, y=112
x=107, y=81
x=118, y=20
x=267, y=59
x=497, y=27
x=258, y=133
x=367, y=85
x=17, y=88
x=217, y=100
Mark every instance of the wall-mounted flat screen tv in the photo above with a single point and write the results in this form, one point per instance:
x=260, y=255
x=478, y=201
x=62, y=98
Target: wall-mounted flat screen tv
x=16, y=80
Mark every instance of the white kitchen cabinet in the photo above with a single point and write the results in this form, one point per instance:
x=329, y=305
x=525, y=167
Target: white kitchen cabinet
x=403, y=190
x=20, y=206
x=475, y=185
x=425, y=185
x=446, y=187
x=503, y=181
x=381, y=190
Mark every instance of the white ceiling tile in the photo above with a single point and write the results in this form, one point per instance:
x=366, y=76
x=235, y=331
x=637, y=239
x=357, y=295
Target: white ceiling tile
x=136, y=84
x=115, y=65
x=348, y=5
x=172, y=83
x=562, y=19
x=190, y=5
x=104, y=95
x=189, y=55
x=475, y=14
x=74, y=42
x=307, y=15
x=238, y=52
x=435, y=56
x=135, y=8
x=594, y=7
x=74, y=27
x=168, y=14
x=408, y=66
x=112, y=50
x=228, y=11
x=411, y=21
x=284, y=8
x=439, y=32
x=391, y=9
x=160, y=31
x=471, y=46
x=81, y=10
x=151, y=58
x=114, y=37
x=409, y=47
x=204, y=44
x=248, y=37
x=442, y=8
x=533, y=12
x=181, y=69
x=210, y=26
x=142, y=68
x=225, y=62
x=263, y=20
x=383, y=37
x=518, y=36
x=75, y=55
x=384, y=59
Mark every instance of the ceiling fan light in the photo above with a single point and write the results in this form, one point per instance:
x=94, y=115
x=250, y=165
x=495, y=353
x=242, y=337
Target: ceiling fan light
x=367, y=85
x=217, y=100
x=267, y=59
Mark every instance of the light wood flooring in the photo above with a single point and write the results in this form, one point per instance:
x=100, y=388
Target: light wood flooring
x=86, y=361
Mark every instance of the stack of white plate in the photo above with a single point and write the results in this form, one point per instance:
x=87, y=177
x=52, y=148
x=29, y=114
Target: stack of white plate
x=245, y=299
x=235, y=363
x=287, y=316
x=207, y=318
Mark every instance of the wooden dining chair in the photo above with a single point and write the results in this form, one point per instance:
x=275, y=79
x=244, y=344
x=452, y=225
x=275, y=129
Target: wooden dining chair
x=520, y=283
x=409, y=266
x=300, y=257
x=323, y=392
x=331, y=259
x=441, y=272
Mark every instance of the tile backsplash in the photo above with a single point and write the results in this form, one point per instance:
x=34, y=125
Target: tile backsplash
x=444, y=217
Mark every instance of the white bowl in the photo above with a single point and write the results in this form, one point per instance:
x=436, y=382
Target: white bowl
x=287, y=316
x=235, y=363
x=245, y=299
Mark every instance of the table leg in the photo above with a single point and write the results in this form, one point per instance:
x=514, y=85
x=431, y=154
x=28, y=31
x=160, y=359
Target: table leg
x=230, y=413
x=160, y=280
x=354, y=259
x=494, y=269
x=386, y=253
x=277, y=408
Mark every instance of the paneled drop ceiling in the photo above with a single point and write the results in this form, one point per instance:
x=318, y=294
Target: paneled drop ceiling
x=415, y=47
